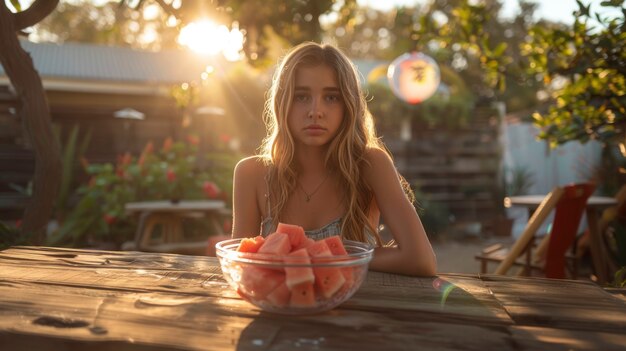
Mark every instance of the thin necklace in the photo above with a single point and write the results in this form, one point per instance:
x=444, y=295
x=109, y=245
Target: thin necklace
x=307, y=196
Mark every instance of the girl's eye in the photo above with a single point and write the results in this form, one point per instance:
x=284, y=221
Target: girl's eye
x=333, y=98
x=301, y=98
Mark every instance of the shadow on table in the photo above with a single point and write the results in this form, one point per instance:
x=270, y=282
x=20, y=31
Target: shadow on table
x=453, y=312
x=388, y=312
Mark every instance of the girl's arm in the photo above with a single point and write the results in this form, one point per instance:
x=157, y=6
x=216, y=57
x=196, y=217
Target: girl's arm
x=246, y=213
x=414, y=254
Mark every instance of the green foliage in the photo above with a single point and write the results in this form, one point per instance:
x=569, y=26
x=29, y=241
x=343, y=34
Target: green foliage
x=107, y=23
x=435, y=216
x=72, y=152
x=513, y=182
x=16, y=5
x=518, y=181
x=470, y=38
x=619, y=280
x=585, y=66
x=465, y=34
x=170, y=173
x=11, y=235
x=293, y=20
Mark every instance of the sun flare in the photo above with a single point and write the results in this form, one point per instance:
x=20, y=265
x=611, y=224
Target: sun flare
x=208, y=38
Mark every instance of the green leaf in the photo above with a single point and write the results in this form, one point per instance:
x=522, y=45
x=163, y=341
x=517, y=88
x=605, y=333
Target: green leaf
x=69, y=157
x=16, y=5
x=499, y=50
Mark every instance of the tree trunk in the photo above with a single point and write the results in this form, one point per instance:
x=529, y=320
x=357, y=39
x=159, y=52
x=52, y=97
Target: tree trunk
x=35, y=115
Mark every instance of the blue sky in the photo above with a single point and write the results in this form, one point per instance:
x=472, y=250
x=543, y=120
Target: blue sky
x=555, y=10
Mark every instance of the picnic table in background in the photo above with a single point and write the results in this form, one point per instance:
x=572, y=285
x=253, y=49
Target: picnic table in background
x=61, y=299
x=161, y=229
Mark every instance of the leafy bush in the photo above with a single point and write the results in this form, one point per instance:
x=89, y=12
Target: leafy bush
x=171, y=173
x=11, y=235
x=435, y=216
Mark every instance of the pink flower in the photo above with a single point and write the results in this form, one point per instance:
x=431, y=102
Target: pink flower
x=193, y=140
x=84, y=163
x=171, y=175
x=210, y=189
x=127, y=159
x=109, y=218
x=147, y=150
x=120, y=173
x=225, y=138
x=167, y=144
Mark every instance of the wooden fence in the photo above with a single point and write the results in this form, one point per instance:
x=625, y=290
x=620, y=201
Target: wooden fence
x=455, y=167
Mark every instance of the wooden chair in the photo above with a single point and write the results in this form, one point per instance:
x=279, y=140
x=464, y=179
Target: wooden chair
x=615, y=213
x=569, y=203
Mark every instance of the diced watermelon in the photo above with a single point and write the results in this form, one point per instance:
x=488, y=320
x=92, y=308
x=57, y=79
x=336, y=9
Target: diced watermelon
x=251, y=245
x=335, y=244
x=258, y=282
x=319, y=249
x=295, y=232
x=280, y=296
x=328, y=280
x=302, y=295
x=298, y=275
x=304, y=244
x=276, y=243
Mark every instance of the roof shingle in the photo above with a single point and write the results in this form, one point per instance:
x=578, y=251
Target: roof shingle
x=116, y=64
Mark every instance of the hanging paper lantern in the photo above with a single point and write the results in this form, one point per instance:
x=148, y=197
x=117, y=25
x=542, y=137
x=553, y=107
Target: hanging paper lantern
x=413, y=77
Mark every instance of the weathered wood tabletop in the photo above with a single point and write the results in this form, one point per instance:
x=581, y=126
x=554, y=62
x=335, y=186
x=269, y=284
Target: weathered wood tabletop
x=66, y=299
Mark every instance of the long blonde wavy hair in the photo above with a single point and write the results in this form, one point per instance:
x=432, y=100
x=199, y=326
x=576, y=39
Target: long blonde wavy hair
x=346, y=154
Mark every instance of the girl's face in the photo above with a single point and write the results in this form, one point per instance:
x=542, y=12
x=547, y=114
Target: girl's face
x=317, y=106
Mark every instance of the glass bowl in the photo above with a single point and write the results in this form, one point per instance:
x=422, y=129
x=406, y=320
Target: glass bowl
x=290, y=285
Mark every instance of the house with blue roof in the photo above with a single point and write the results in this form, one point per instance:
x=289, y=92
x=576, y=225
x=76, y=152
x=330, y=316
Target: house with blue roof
x=90, y=85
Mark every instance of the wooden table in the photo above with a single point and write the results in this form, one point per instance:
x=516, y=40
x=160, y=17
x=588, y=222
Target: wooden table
x=160, y=227
x=595, y=204
x=64, y=299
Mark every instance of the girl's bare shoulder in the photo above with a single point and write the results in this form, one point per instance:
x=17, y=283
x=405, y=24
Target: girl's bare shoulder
x=250, y=168
x=377, y=158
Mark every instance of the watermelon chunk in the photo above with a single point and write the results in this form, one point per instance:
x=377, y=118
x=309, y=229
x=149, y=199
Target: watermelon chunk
x=328, y=280
x=304, y=244
x=258, y=282
x=298, y=275
x=280, y=296
x=319, y=249
x=251, y=245
x=277, y=244
x=335, y=245
x=295, y=233
x=302, y=295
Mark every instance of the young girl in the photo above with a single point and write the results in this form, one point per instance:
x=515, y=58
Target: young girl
x=322, y=167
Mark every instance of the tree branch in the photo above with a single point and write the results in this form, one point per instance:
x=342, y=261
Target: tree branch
x=35, y=13
x=168, y=8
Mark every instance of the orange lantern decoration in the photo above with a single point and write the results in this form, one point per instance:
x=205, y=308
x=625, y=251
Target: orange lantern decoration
x=413, y=77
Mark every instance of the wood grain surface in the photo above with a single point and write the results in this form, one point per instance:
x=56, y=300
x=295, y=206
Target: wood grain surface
x=68, y=299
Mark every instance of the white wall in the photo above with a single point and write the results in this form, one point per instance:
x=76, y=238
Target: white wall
x=569, y=163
